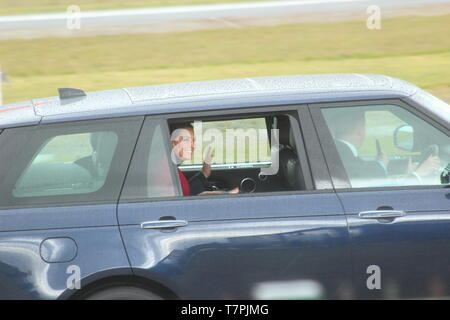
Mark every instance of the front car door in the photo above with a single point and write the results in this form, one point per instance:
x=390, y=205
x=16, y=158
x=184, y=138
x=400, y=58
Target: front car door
x=388, y=161
x=228, y=246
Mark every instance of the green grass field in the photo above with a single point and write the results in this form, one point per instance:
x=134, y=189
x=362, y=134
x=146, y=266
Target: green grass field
x=9, y=7
x=416, y=49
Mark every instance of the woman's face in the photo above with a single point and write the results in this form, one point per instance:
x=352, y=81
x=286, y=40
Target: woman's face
x=184, y=143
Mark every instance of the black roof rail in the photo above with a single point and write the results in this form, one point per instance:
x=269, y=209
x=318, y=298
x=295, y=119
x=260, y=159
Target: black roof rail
x=69, y=93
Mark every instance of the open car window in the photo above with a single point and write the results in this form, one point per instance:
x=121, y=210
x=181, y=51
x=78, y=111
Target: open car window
x=239, y=143
x=254, y=154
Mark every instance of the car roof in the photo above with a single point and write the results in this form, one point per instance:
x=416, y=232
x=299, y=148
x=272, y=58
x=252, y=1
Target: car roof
x=206, y=95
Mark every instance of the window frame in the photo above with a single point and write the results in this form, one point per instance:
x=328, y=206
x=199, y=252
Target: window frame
x=114, y=177
x=338, y=174
x=303, y=146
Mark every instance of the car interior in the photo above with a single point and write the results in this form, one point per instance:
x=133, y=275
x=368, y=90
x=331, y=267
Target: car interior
x=248, y=176
x=407, y=142
x=418, y=141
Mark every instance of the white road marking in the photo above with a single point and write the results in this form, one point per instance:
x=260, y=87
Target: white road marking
x=170, y=10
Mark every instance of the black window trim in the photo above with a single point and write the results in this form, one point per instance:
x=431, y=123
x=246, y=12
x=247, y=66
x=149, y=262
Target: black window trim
x=315, y=156
x=337, y=171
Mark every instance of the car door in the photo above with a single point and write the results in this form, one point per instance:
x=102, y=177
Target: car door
x=225, y=246
x=60, y=186
x=398, y=214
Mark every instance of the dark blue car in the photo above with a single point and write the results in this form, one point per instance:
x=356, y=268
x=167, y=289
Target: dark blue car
x=342, y=180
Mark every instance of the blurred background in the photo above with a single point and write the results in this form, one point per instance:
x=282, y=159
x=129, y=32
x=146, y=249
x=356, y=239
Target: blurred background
x=108, y=44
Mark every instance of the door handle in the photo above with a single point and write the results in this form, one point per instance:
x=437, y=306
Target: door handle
x=163, y=224
x=381, y=214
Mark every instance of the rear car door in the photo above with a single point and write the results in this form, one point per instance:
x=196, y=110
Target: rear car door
x=397, y=202
x=59, y=188
x=228, y=246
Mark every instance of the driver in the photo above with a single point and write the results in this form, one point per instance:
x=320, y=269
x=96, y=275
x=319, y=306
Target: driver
x=183, y=146
x=349, y=130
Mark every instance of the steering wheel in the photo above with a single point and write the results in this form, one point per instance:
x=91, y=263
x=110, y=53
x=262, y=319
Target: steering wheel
x=434, y=176
x=248, y=185
x=432, y=150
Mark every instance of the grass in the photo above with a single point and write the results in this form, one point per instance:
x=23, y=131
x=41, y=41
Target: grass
x=416, y=49
x=10, y=7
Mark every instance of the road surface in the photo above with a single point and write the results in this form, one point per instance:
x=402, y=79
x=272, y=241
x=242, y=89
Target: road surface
x=185, y=18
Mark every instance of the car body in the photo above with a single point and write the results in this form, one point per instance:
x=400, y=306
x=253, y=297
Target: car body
x=73, y=230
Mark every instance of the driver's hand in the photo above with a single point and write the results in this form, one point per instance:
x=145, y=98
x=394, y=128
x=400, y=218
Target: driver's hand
x=432, y=164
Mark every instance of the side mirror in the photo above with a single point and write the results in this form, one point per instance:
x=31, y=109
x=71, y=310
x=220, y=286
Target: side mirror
x=404, y=137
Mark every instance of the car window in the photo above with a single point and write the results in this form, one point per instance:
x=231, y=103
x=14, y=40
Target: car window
x=66, y=163
x=252, y=154
x=387, y=145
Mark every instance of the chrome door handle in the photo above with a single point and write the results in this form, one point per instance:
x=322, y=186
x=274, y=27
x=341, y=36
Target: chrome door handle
x=381, y=214
x=163, y=224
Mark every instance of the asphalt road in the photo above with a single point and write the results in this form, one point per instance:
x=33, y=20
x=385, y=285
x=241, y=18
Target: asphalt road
x=199, y=16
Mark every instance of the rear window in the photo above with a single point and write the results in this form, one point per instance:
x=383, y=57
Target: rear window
x=78, y=162
x=68, y=164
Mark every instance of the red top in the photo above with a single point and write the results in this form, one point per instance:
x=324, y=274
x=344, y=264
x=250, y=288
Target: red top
x=184, y=184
